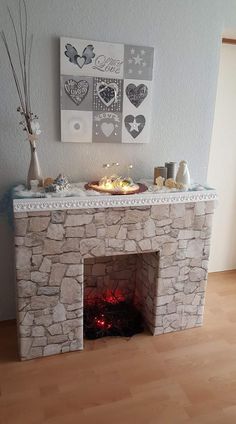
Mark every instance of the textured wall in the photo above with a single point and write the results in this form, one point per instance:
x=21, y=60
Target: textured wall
x=186, y=36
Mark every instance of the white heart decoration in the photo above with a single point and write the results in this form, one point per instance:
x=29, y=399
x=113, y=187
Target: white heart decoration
x=103, y=88
x=107, y=128
x=80, y=61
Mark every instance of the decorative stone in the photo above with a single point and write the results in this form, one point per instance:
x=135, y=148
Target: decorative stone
x=55, y=232
x=57, y=273
x=26, y=288
x=90, y=230
x=145, y=244
x=59, y=313
x=48, y=291
x=70, y=325
x=39, y=277
x=23, y=257
x=42, y=302
x=160, y=212
x=70, y=291
x=58, y=217
x=28, y=318
x=39, y=224
x=52, y=349
x=169, y=249
x=20, y=226
x=195, y=249
x=55, y=329
x=38, y=331
x=52, y=247
x=74, y=270
x=78, y=220
x=75, y=232
x=40, y=341
x=130, y=246
x=46, y=265
x=197, y=274
x=70, y=258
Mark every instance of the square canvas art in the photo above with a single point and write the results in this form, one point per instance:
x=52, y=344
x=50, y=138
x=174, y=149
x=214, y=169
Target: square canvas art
x=106, y=92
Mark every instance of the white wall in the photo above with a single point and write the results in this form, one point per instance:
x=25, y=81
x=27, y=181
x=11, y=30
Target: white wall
x=186, y=35
x=222, y=164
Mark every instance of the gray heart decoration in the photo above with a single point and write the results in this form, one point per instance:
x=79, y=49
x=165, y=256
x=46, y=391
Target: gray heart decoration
x=76, y=90
x=136, y=93
x=107, y=93
x=134, y=124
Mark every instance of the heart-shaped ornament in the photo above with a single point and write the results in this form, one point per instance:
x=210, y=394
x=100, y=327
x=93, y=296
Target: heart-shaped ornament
x=107, y=93
x=134, y=124
x=80, y=61
x=107, y=128
x=136, y=93
x=76, y=90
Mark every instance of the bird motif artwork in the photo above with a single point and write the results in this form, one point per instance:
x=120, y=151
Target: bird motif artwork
x=73, y=56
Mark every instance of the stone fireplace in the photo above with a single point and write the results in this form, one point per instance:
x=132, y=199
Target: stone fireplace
x=156, y=245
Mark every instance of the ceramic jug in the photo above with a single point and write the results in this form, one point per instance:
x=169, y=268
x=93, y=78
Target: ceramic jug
x=183, y=175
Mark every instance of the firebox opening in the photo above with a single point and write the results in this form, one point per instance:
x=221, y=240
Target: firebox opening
x=119, y=294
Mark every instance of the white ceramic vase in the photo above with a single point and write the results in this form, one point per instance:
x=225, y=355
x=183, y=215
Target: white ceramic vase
x=183, y=175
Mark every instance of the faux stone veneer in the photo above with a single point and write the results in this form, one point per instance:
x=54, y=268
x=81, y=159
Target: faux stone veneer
x=51, y=247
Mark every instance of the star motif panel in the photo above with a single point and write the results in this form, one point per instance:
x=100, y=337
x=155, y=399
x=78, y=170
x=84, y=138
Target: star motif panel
x=106, y=92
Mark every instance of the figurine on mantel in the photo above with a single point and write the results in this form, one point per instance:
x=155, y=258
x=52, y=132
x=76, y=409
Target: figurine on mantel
x=183, y=176
x=59, y=184
x=182, y=181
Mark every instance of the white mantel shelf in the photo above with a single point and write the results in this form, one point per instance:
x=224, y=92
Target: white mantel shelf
x=86, y=201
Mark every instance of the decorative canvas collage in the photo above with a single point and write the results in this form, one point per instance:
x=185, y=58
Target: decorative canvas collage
x=106, y=92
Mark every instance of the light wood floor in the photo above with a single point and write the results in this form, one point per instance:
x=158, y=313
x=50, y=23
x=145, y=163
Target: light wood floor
x=185, y=377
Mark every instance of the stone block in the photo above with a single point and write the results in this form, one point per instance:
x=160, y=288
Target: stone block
x=26, y=288
x=55, y=232
x=116, y=244
x=52, y=349
x=122, y=233
x=149, y=228
x=197, y=274
x=48, y=290
x=90, y=230
x=75, y=232
x=23, y=257
x=195, y=249
x=42, y=302
x=78, y=220
x=59, y=313
x=52, y=247
x=70, y=258
x=38, y=331
x=132, y=216
x=25, y=345
x=71, y=245
x=58, y=217
x=177, y=210
x=172, y=271
x=160, y=212
x=20, y=226
x=60, y=338
x=71, y=291
x=46, y=265
x=57, y=273
x=39, y=341
x=169, y=249
x=145, y=244
x=164, y=300
x=39, y=277
x=74, y=270
x=38, y=224
x=199, y=208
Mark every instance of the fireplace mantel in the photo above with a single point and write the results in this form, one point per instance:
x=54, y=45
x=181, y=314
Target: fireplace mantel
x=95, y=200
x=54, y=237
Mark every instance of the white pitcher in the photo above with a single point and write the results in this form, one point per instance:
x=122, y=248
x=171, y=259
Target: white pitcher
x=183, y=175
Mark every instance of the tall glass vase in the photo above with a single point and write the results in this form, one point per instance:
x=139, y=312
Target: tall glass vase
x=34, y=172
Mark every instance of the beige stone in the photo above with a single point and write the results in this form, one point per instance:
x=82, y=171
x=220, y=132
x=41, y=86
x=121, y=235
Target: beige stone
x=177, y=210
x=169, y=249
x=197, y=274
x=38, y=331
x=122, y=233
x=130, y=246
x=90, y=230
x=112, y=231
x=59, y=313
x=46, y=265
x=52, y=247
x=195, y=249
x=172, y=271
x=55, y=232
x=57, y=273
x=52, y=349
x=26, y=288
x=116, y=244
x=25, y=345
x=34, y=239
x=42, y=302
x=28, y=318
x=78, y=220
x=70, y=325
x=48, y=291
x=70, y=291
x=70, y=258
x=58, y=217
x=75, y=232
x=71, y=245
x=39, y=277
x=160, y=212
x=55, y=329
x=74, y=270
x=132, y=216
x=23, y=257
x=39, y=341
x=20, y=226
x=145, y=244
x=39, y=224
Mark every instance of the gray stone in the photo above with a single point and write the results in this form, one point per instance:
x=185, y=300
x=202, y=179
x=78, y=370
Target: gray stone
x=74, y=270
x=199, y=208
x=42, y=302
x=36, y=352
x=177, y=210
x=70, y=325
x=45, y=320
x=58, y=217
x=71, y=245
x=122, y=233
x=60, y=338
x=164, y=300
x=78, y=220
x=132, y=216
x=197, y=274
x=20, y=226
x=55, y=329
x=38, y=331
x=46, y=265
x=26, y=288
x=28, y=318
x=25, y=331
x=49, y=291
x=59, y=313
x=39, y=277
x=39, y=224
x=19, y=241
x=116, y=244
x=23, y=257
x=195, y=249
x=149, y=228
x=25, y=345
x=90, y=230
x=52, y=349
x=186, y=234
x=130, y=246
x=172, y=271
x=75, y=232
x=169, y=249
x=70, y=258
x=56, y=232
x=160, y=212
x=52, y=247
x=70, y=291
x=57, y=273
x=39, y=341
x=145, y=244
